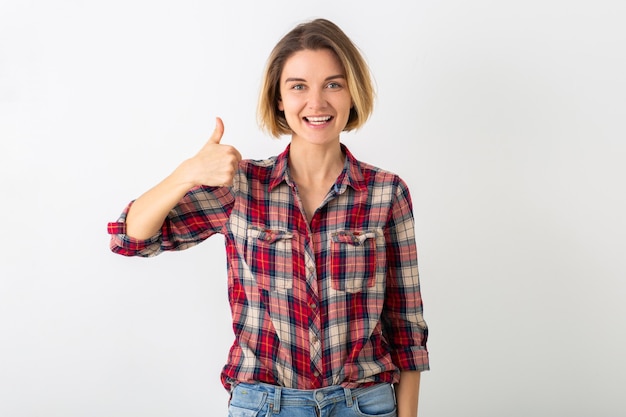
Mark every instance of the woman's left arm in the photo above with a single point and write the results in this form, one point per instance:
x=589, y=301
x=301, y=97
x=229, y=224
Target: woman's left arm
x=407, y=393
x=404, y=323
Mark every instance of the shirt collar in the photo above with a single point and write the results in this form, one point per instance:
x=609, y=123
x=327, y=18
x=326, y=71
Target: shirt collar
x=350, y=176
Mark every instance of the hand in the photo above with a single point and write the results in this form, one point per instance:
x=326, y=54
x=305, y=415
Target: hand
x=215, y=164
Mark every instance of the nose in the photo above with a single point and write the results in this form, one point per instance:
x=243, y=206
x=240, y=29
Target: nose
x=316, y=99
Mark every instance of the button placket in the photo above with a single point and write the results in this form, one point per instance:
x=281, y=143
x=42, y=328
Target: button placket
x=315, y=344
x=315, y=349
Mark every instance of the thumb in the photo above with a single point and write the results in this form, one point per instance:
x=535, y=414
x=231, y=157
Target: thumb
x=216, y=137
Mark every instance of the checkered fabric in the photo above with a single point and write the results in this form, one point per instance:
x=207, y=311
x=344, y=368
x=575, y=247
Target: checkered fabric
x=332, y=302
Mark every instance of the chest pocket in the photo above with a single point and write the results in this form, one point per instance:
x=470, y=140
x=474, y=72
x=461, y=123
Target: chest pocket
x=269, y=256
x=353, y=260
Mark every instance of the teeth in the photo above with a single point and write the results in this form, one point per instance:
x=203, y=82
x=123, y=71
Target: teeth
x=318, y=119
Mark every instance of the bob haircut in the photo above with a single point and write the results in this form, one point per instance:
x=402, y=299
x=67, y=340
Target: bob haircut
x=315, y=35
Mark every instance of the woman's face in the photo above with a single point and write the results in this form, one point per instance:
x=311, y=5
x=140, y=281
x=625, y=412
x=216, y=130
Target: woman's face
x=315, y=96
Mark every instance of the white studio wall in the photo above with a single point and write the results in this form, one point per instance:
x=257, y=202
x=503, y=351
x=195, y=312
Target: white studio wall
x=506, y=119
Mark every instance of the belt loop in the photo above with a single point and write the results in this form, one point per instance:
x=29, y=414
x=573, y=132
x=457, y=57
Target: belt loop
x=277, y=392
x=348, y=395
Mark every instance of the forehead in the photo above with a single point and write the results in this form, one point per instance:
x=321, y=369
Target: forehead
x=312, y=63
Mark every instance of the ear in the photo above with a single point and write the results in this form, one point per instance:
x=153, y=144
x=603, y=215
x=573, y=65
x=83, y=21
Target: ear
x=280, y=105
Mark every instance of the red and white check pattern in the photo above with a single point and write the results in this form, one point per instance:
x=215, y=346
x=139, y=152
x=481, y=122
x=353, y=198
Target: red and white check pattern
x=333, y=302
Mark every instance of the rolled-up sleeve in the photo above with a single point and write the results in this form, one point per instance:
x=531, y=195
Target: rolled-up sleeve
x=403, y=320
x=202, y=212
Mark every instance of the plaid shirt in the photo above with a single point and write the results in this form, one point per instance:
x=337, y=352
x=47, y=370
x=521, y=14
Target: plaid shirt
x=333, y=302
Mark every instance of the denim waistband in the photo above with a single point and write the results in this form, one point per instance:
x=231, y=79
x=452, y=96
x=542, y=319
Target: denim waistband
x=280, y=396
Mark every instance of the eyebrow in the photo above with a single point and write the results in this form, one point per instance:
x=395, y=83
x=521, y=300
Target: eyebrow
x=332, y=77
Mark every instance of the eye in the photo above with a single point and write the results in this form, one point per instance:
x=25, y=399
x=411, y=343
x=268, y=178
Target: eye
x=333, y=85
x=297, y=87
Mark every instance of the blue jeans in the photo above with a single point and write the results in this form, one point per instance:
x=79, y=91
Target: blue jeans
x=263, y=400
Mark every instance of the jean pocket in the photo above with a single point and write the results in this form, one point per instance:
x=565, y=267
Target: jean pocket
x=378, y=401
x=270, y=259
x=353, y=260
x=246, y=402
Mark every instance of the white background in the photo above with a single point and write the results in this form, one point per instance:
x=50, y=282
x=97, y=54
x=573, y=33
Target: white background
x=506, y=119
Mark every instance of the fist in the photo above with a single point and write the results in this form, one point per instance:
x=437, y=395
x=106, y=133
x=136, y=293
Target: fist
x=215, y=164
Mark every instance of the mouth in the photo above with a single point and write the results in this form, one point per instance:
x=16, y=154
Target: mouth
x=318, y=120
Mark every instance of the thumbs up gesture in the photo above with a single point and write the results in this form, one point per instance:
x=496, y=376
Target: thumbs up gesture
x=215, y=164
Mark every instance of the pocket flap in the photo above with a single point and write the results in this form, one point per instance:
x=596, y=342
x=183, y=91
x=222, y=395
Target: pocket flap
x=354, y=238
x=268, y=235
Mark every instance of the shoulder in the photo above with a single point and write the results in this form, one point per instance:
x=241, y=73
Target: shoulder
x=256, y=171
x=377, y=176
x=371, y=174
x=258, y=165
x=384, y=185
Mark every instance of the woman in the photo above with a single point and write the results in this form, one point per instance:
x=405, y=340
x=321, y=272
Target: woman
x=322, y=264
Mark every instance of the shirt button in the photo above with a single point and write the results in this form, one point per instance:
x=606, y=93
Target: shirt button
x=314, y=339
x=311, y=269
x=319, y=396
x=313, y=306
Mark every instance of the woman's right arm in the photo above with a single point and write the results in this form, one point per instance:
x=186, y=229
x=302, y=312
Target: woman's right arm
x=214, y=165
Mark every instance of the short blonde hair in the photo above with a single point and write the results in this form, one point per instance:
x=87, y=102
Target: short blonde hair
x=315, y=35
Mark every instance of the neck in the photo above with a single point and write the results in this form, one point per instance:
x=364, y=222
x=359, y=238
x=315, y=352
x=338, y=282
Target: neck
x=315, y=163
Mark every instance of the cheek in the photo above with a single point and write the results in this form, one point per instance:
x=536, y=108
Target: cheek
x=290, y=107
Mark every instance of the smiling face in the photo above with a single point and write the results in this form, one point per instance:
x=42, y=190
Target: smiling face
x=315, y=96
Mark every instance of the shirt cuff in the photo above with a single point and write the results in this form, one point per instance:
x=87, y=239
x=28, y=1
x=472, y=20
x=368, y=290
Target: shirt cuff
x=413, y=358
x=116, y=228
x=126, y=245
